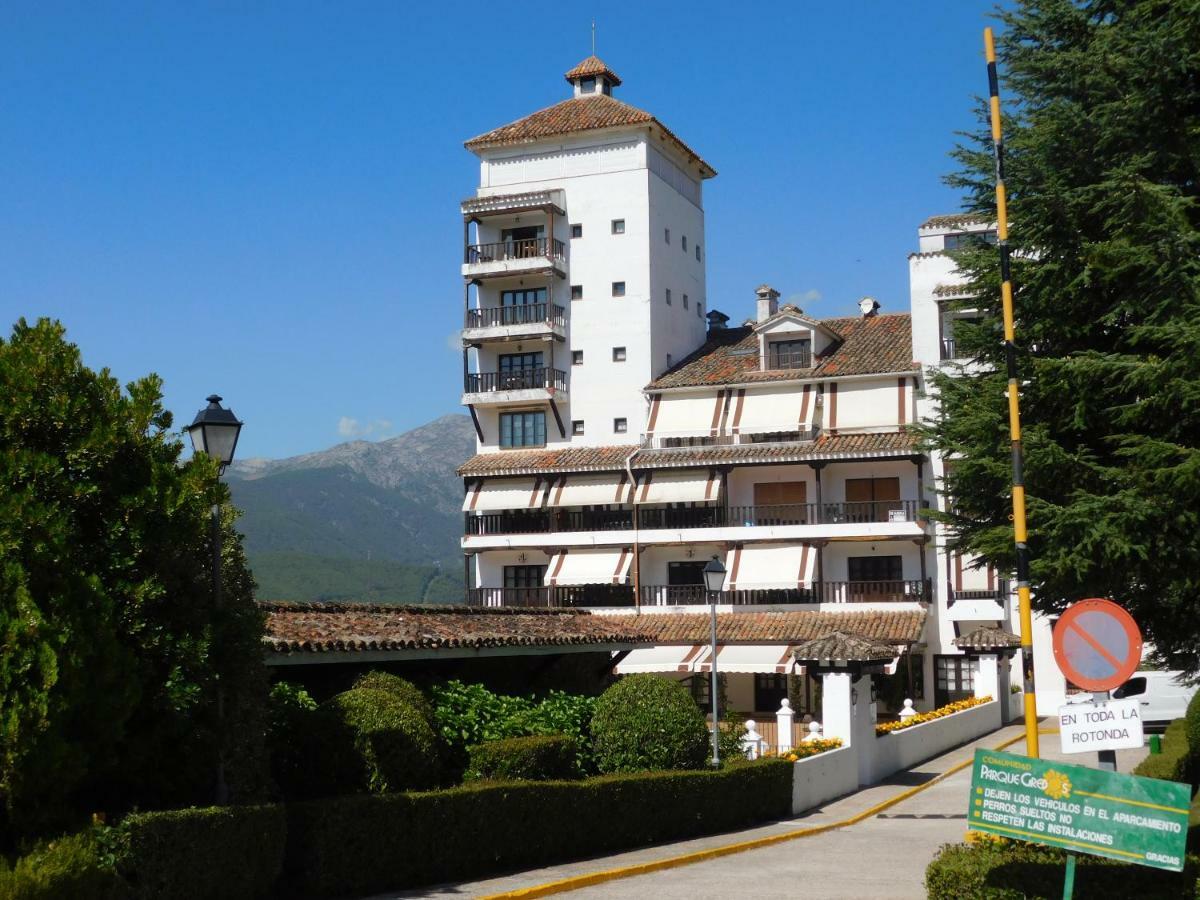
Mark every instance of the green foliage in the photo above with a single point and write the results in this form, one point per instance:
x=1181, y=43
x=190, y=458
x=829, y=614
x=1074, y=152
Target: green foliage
x=406, y=691
x=368, y=844
x=1175, y=761
x=112, y=645
x=1191, y=737
x=1103, y=104
x=68, y=868
x=542, y=757
x=392, y=742
x=298, y=576
x=1017, y=871
x=645, y=722
x=733, y=729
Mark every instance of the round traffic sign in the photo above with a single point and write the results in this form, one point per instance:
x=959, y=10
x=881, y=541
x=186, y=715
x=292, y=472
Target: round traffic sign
x=1097, y=645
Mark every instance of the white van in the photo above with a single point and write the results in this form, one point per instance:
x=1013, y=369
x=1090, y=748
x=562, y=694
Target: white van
x=1163, y=696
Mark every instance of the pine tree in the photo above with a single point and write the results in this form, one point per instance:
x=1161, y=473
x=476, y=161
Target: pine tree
x=1102, y=140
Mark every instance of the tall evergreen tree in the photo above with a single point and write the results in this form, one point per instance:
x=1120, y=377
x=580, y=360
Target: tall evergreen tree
x=110, y=646
x=1102, y=137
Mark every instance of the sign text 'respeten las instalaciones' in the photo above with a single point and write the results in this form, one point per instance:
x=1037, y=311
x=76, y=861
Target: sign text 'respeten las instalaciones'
x=1125, y=817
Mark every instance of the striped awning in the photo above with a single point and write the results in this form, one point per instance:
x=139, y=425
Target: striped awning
x=492, y=494
x=663, y=658
x=571, y=567
x=754, y=659
x=590, y=490
x=682, y=486
x=769, y=566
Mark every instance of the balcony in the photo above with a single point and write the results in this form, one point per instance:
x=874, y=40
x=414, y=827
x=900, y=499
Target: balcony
x=512, y=323
x=515, y=386
x=783, y=434
x=545, y=521
x=982, y=604
x=559, y=597
x=519, y=257
x=510, y=204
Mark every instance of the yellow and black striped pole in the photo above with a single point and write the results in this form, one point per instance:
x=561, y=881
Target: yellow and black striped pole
x=1014, y=407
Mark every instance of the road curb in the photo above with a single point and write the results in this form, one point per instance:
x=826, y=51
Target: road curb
x=686, y=859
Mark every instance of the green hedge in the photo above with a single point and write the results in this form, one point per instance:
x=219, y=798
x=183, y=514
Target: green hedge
x=535, y=758
x=377, y=680
x=202, y=854
x=644, y=722
x=365, y=844
x=68, y=868
x=1174, y=763
x=394, y=743
x=1016, y=871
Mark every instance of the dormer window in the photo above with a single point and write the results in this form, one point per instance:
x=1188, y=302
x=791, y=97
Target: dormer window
x=796, y=354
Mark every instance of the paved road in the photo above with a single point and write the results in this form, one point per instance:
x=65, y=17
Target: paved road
x=881, y=857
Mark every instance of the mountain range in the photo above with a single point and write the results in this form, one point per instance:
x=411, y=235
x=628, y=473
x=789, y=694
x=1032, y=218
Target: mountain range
x=364, y=520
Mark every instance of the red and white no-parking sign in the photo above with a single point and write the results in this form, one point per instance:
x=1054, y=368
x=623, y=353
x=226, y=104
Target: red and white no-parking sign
x=1097, y=645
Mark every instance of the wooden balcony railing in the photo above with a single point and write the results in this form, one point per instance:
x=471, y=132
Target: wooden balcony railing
x=875, y=591
x=515, y=380
x=999, y=593
x=530, y=314
x=501, y=251
x=562, y=596
x=789, y=359
x=544, y=521
x=697, y=595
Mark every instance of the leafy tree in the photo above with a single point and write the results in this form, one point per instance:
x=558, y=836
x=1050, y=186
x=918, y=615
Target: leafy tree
x=1103, y=106
x=110, y=648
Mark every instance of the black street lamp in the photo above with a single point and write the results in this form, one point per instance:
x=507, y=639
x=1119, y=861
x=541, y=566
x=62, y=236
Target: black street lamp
x=714, y=581
x=215, y=432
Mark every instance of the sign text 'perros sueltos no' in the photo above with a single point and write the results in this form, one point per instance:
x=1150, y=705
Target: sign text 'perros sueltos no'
x=1112, y=725
x=1125, y=817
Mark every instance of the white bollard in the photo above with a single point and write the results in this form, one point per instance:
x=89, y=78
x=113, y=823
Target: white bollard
x=814, y=731
x=783, y=724
x=907, y=712
x=752, y=741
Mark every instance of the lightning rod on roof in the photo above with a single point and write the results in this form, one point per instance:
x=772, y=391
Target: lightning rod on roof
x=593, y=37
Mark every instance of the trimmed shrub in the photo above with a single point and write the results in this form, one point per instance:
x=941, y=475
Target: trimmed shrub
x=68, y=868
x=393, y=743
x=1017, y=870
x=202, y=854
x=375, y=680
x=1172, y=763
x=1192, y=734
x=542, y=757
x=368, y=844
x=645, y=722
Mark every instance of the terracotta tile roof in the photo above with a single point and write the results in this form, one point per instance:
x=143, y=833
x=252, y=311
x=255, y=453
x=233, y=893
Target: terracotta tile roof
x=840, y=446
x=899, y=626
x=840, y=646
x=951, y=290
x=331, y=627
x=956, y=220
x=579, y=114
x=987, y=637
x=535, y=462
x=593, y=65
x=878, y=344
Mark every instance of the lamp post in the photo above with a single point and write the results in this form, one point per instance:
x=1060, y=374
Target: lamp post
x=714, y=580
x=215, y=432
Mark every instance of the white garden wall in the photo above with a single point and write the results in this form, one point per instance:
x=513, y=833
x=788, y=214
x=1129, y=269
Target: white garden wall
x=905, y=748
x=823, y=777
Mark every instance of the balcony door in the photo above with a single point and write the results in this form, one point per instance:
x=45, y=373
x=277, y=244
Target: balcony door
x=870, y=499
x=875, y=578
x=521, y=370
x=523, y=585
x=781, y=503
x=519, y=307
x=522, y=242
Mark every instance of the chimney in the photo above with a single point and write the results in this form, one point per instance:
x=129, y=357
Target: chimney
x=716, y=320
x=768, y=302
x=869, y=306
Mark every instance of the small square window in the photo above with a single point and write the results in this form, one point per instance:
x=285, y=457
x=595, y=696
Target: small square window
x=685, y=301
x=668, y=296
x=683, y=243
x=620, y=426
x=587, y=85
x=577, y=426
x=577, y=292
x=577, y=357
x=577, y=231
x=697, y=253
x=618, y=354
x=670, y=361
x=618, y=289
x=618, y=226
x=667, y=234
x=700, y=310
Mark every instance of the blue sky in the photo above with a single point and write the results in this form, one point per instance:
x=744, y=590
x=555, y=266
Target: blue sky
x=262, y=199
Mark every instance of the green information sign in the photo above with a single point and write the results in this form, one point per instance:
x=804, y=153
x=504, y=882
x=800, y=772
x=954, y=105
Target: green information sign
x=1125, y=817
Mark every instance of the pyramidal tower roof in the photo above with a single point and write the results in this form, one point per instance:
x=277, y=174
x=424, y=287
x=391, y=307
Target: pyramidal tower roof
x=591, y=67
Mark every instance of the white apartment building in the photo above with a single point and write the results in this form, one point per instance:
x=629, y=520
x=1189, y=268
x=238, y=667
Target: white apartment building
x=627, y=433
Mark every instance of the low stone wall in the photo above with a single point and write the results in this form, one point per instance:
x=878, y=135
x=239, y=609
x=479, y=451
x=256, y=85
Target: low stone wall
x=1016, y=707
x=822, y=777
x=905, y=748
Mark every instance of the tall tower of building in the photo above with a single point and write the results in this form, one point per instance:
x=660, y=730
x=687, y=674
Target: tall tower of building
x=583, y=268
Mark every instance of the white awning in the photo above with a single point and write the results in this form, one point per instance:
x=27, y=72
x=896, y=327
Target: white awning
x=591, y=490
x=663, y=658
x=686, y=486
x=756, y=659
x=764, y=409
x=769, y=566
x=589, y=567
x=491, y=494
x=684, y=414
